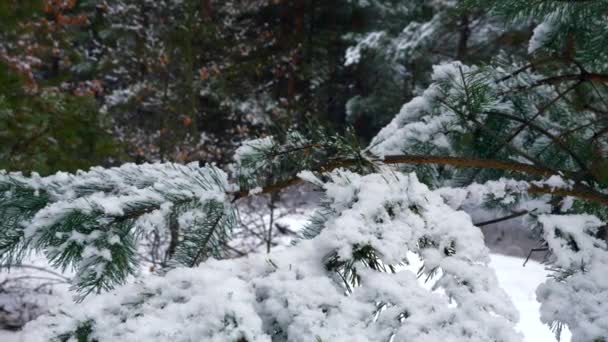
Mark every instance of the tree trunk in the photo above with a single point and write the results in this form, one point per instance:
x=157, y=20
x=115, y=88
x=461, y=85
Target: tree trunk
x=465, y=32
x=206, y=9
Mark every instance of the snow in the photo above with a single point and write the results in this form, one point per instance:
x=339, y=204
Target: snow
x=97, y=197
x=256, y=190
x=29, y=291
x=555, y=182
x=542, y=34
x=422, y=121
x=309, y=177
x=519, y=282
x=390, y=212
x=10, y=336
x=577, y=294
x=370, y=41
x=292, y=293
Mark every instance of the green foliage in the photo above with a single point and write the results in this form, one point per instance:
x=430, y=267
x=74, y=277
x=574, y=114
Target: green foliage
x=317, y=221
x=205, y=233
x=18, y=203
x=346, y=270
x=576, y=25
x=81, y=334
x=280, y=158
x=11, y=12
x=50, y=131
x=92, y=221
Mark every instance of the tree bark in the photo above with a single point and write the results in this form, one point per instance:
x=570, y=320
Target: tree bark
x=206, y=9
x=465, y=32
x=577, y=191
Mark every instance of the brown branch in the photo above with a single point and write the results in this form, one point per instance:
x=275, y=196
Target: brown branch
x=501, y=219
x=532, y=64
x=466, y=162
x=582, y=77
x=578, y=191
x=414, y=159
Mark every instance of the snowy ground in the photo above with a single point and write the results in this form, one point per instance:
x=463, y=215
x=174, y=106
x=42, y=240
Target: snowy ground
x=520, y=282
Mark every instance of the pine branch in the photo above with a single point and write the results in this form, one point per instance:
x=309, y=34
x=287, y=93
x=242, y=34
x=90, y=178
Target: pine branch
x=469, y=162
x=530, y=65
x=548, y=134
x=205, y=233
x=581, y=77
x=578, y=191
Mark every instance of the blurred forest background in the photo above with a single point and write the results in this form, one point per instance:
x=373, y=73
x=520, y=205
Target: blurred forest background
x=95, y=82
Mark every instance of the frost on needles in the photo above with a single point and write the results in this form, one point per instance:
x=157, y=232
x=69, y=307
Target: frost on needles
x=90, y=221
x=348, y=283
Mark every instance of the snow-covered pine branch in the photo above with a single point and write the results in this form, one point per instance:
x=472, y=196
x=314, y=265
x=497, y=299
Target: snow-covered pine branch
x=503, y=125
x=90, y=221
x=576, y=294
x=345, y=284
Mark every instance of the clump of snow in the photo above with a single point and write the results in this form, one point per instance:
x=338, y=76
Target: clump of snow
x=293, y=295
x=370, y=41
x=504, y=190
x=555, y=182
x=542, y=35
x=423, y=120
x=309, y=177
x=256, y=190
x=252, y=148
x=577, y=293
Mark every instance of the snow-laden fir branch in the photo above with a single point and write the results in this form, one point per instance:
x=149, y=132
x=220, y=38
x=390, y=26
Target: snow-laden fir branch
x=576, y=294
x=90, y=221
x=299, y=293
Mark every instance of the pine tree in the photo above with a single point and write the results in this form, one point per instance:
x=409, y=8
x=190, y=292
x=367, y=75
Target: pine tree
x=523, y=133
x=47, y=123
x=393, y=53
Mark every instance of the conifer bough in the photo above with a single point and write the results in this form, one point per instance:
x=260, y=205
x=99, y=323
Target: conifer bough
x=349, y=277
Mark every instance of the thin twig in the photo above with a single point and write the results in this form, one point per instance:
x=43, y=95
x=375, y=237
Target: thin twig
x=544, y=249
x=41, y=269
x=501, y=219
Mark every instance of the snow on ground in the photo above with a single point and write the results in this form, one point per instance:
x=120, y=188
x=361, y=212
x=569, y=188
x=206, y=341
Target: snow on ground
x=28, y=291
x=520, y=282
x=9, y=336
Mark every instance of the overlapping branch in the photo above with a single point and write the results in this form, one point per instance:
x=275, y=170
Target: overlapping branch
x=578, y=191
